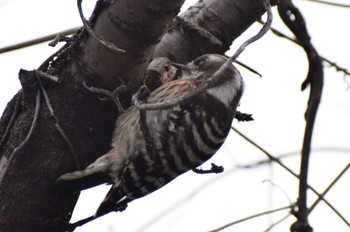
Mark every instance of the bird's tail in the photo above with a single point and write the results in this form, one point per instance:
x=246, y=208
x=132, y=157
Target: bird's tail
x=79, y=180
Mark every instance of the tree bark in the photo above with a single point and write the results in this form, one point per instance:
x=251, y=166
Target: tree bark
x=42, y=137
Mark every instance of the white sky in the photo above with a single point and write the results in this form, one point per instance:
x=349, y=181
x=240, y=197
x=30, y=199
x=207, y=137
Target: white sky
x=275, y=101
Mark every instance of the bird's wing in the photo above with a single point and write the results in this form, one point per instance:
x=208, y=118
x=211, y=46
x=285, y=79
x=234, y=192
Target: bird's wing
x=171, y=90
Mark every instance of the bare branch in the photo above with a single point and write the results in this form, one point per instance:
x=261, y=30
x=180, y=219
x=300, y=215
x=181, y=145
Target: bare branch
x=37, y=40
x=59, y=38
x=271, y=157
x=294, y=20
x=261, y=33
x=113, y=96
x=48, y=76
x=293, y=153
x=330, y=3
x=149, y=140
x=25, y=141
x=248, y=68
x=331, y=63
x=277, y=222
x=329, y=187
x=251, y=217
x=57, y=125
x=337, y=67
x=280, y=189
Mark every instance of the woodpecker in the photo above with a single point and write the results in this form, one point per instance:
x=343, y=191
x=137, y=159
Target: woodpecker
x=184, y=136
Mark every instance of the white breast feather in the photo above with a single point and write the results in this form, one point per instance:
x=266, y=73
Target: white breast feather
x=228, y=91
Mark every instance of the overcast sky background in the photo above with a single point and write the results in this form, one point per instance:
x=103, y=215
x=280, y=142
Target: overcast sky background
x=202, y=202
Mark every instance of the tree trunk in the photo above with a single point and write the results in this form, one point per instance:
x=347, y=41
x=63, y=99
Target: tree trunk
x=47, y=133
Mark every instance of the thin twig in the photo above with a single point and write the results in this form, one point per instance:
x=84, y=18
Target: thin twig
x=33, y=125
x=59, y=38
x=149, y=141
x=37, y=40
x=280, y=189
x=277, y=222
x=54, y=57
x=45, y=96
x=92, y=33
x=318, y=149
x=111, y=95
x=271, y=157
x=48, y=76
x=251, y=217
x=248, y=68
x=292, y=153
x=57, y=125
x=25, y=141
x=328, y=188
x=261, y=33
x=216, y=76
x=337, y=67
x=291, y=172
x=141, y=95
x=330, y=3
x=331, y=63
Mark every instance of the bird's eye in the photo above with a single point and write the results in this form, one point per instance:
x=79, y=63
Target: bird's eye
x=167, y=67
x=200, y=62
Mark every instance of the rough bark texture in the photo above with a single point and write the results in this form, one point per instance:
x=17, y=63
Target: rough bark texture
x=217, y=24
x=28, y=201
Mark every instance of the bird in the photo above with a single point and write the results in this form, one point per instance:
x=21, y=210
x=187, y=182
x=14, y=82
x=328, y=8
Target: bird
x=184, y=136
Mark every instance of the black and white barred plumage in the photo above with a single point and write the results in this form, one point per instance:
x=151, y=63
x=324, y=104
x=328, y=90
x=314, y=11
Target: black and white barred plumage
x=184, y=136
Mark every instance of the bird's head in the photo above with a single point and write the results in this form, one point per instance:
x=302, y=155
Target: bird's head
x=206, y=65
x=227, y=85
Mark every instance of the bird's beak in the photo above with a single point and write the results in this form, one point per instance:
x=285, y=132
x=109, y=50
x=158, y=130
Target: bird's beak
x=181, y=66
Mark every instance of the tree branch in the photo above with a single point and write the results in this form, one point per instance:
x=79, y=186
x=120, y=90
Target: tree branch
x=35, y=207
x=330, y=3
x=82, y=117
x=276, y=160
x=251, y=217
x=37, y=40
x=225, y=20
x=329, y=187
x=293, y=18
x=331, y=63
